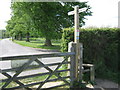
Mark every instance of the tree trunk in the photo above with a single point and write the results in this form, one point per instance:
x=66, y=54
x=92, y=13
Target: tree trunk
x=12, y=38
x=16, y=37
x=28, y=37
x=48, y=42
x=20, y=36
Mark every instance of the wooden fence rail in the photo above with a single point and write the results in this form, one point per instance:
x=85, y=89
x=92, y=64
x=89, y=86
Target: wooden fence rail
x=18, y=70
x=66, y=75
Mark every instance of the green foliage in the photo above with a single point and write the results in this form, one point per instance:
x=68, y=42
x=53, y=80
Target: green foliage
x=43, y=18
x=100, y=48
x=50, y=17
x=20, y=25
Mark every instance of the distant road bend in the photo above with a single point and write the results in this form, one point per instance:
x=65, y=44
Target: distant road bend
x=8, y=48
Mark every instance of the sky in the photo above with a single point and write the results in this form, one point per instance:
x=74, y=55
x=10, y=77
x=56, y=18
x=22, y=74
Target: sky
x=105, y=13
x=5, y=12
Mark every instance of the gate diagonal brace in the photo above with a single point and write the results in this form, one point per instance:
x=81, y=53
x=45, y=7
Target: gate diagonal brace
x=52, y=72
x=17, y=81
x=23, y=67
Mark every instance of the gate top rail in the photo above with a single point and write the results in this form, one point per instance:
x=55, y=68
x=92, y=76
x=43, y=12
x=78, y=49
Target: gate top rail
x=3, y=58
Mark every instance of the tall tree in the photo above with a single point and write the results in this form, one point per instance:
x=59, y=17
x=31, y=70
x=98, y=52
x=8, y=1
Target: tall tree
x=10, y=27
x=50, y=17
x=19, y=24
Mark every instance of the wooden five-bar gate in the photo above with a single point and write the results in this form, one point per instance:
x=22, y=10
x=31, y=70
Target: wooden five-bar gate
x=66, y=75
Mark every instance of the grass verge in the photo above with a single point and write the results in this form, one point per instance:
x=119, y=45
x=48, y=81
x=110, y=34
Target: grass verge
x=37, y=79
x=39, y=43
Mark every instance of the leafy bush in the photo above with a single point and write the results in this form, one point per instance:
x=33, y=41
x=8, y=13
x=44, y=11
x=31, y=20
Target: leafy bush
x=100, y=47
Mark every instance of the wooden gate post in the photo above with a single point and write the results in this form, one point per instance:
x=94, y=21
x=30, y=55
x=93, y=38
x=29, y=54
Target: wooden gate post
x=73, y=64
x=92, y=73
x=81, y=61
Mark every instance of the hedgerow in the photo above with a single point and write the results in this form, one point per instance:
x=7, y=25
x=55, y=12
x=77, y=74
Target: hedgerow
x=100, y=48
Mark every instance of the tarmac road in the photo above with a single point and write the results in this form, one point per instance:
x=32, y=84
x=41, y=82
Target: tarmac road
x=8, y=48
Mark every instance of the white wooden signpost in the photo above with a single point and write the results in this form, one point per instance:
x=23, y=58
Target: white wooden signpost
x=78, y=62
x=76, y=21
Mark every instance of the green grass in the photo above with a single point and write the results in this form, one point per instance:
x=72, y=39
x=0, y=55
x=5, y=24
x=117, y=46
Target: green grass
x=39, y=43
x=37, y=79
x=28, y=80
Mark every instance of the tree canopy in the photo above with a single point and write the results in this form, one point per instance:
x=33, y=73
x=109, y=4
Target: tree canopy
x=46, y=18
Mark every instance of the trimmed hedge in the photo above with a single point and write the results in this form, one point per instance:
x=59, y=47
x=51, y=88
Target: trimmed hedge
x=100, y=48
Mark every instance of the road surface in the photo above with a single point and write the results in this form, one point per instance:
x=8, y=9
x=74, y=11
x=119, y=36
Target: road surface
x=8, y=48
